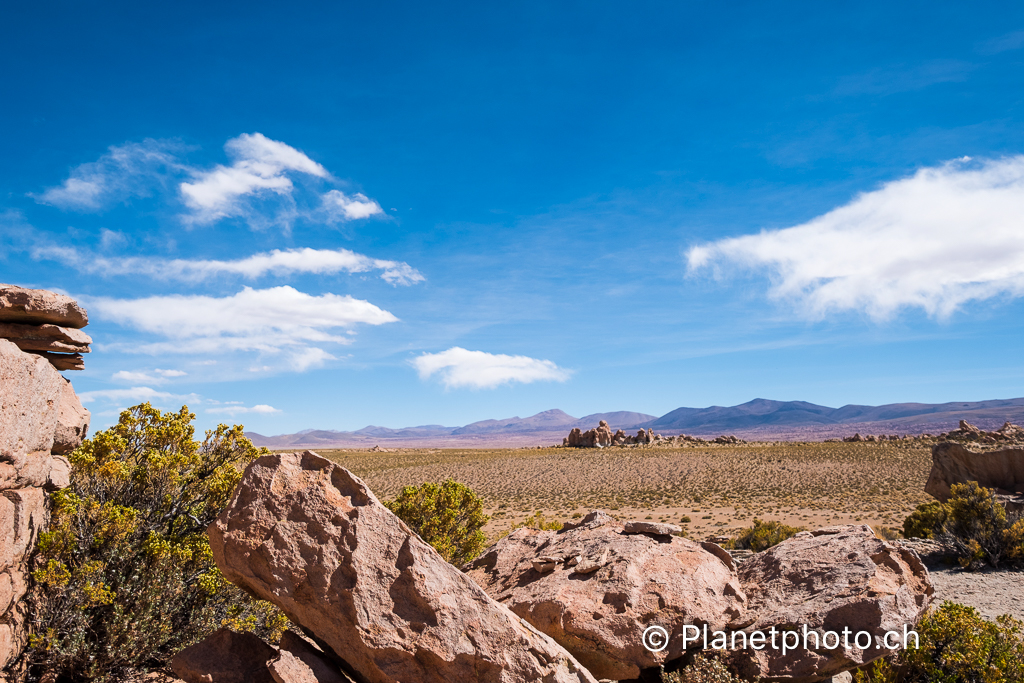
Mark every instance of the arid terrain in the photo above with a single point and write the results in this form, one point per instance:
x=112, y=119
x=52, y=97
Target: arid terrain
x=709, y=490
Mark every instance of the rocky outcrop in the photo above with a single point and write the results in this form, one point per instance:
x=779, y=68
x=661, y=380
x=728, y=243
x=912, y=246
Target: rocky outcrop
x=1001, y=470
x=607, y=584
x=307, y=535
x=40, y=419
x=46, y=324
x=1008, y=434
x=592, y=438
x=830, y=579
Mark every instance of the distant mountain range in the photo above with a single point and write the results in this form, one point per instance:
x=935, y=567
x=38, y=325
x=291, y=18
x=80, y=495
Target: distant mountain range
x=759, y=419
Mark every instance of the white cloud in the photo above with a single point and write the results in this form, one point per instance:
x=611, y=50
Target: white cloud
x=259, y=166
x=156, y=376
x=458, y=367
x=342, y=207
x=258, y=186
x=936, y=240
x=134, y=169
x=241, y=410
x=275, y=320
x=276, y=262
x=134, y=395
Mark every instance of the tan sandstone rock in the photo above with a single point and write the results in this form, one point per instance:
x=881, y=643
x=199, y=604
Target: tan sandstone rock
x=39, y=306
x=1002, y=470
x=72, y=421
x=301, y=662
x=30, y=391
x=307, y=535
x=829, y=579
x=46, y=338
x=225, y=657
x=62, y=361
x=599, y=608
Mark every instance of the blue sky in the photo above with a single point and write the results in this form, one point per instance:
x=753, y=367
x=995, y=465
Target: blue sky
x=334, y=215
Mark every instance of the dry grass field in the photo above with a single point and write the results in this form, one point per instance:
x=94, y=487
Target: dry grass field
x=709, y=490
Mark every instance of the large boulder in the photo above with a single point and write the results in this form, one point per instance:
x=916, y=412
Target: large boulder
x=599, y=437
x=596, y=586
x=39, y=306
x=30, y=397
x=829, y=580
x=309, y=536
x=72, y=422
x=1002, y=470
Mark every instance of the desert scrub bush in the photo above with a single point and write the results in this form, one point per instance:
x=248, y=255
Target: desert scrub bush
x=702, y=670
x=448, y=516
x=538, y=521
x=125, y=578
x=762, y=535
x=956, y=646
x=973, y=523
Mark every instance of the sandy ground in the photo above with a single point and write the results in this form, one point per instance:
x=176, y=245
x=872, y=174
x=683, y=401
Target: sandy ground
x=991, y=592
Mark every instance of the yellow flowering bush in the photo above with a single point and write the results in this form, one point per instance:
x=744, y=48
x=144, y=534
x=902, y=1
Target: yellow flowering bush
x=125, y=577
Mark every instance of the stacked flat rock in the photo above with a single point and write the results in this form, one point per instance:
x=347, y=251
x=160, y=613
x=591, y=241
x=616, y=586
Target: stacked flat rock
x=46, y=324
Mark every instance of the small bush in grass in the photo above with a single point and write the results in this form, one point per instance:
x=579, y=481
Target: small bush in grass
x=125, y=577
x=763, y=535
x=448, y=516
x=956, y=645
x=539, y=522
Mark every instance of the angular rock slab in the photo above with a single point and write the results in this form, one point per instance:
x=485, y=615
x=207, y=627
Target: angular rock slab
x=72, y=422
x=225, y=657
x=309, y=536
x=300, y=662
x=39, y=306
x=46, y=338
x=30, y=396
x=829, y=579
x=598, y=608
x=953, y=464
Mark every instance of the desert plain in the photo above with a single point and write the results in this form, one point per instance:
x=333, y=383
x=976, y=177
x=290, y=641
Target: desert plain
x=712, y=490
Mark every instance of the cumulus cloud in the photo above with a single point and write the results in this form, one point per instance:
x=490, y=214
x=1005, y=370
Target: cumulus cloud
x=275, y=320
x=259, y=185
x=276, y=262
x=242, y=410
x=936, y=240
x=259, y=166
x=458, y=367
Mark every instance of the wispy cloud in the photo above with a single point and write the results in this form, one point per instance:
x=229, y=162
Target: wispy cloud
x=156, y=376
x=1004, y=43
x=458, y=367
x=242, y=410
x=276, y=262
x=274, y=320
x=936, y=240
x=135, y=395
x=258, y=186
x=905, y=78
x=134, y=169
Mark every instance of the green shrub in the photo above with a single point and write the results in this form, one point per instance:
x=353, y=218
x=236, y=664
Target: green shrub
x=125, y=577
x=704, y=669
x=926, y=521
x=956, y=646
x=448, y=516
x=763, y=535
x=538, y=521
x=973, y=523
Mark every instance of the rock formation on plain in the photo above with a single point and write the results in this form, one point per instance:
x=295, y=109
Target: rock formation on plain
x=829, y=579
x=607, y=585
x=1000, y=470
x=41, y=419
x=307, y=535
x=602, y=437
x=46, y=324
